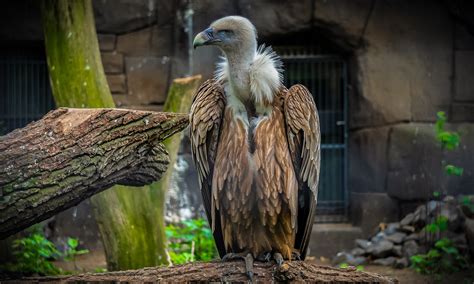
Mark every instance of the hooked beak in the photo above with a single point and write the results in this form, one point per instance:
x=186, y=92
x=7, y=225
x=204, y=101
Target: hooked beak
x=205, y=37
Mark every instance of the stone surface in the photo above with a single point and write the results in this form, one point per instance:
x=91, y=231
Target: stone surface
x=391, y=228
x=461, y=112
x=150, y=41
x=344, y=257
x=106, y=41
x=418, y=51
x=341, y=235
x=368, y=210
x=464, y=40
x=401, y=262
x=388, y=261
x=464, y=89
x=117, y=83
x=380, y=249
x=368, y=156
x=408, y=219
x=469, y=229
x=357, y=251
x=121, y=16
x=397, y=250
x=363, y=244
x=112, y=62
x=413, y=236
x=396, y=237
x=410, y=248
x=147, y=79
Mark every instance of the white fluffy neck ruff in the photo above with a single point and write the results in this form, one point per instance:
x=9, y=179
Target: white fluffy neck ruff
x=264, y=75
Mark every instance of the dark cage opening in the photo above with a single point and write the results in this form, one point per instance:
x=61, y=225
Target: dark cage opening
x=25, y=93
x=325, y=75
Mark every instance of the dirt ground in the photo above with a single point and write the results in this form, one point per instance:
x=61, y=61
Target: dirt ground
x=95, y=262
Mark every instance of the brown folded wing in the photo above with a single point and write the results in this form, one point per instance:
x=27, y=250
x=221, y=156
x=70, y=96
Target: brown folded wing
x=303, y=134
x=206, y=117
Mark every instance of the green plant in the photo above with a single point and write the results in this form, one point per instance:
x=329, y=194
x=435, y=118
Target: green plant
x=346, y=265
x=443, y=258
x=468, y=203
x=190, y=240
x=72, y=251
x=33, y=255
x=440, y=224
x=449, y=140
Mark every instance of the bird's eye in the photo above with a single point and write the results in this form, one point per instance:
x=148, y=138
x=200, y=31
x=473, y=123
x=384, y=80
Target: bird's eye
x=225, y=33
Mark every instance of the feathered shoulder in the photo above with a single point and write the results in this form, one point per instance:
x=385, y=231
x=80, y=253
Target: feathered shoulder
x=265, y=74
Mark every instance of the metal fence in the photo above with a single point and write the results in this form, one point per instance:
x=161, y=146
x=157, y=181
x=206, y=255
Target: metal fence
x=326, y=77
x=25, y=93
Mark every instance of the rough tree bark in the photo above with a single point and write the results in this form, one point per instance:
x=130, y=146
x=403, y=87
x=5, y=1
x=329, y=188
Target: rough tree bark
x=228, y=272
x=72, y=154
x=138, y=239
x=132, y=233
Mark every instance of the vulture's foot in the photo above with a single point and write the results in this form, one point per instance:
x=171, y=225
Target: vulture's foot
x=247, y=257
x=278, y=259
x=295, y=255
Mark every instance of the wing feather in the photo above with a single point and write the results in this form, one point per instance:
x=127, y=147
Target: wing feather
x=206, y=118
x=303, y=134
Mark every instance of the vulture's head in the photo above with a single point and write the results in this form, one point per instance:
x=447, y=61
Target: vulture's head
x=232, y=33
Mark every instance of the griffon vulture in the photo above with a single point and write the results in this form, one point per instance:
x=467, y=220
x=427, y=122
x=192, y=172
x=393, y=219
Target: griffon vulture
x=256, y=146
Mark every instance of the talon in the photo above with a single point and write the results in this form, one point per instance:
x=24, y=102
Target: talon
x=278, y=258
x=229, y=256
x=295, y=254
x=264, y=257
x=249, y=267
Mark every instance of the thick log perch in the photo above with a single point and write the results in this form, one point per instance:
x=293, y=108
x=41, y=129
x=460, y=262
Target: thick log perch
x=216, y=271
x=71, y=154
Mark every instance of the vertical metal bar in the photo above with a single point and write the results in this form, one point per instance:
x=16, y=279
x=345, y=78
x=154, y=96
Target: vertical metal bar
x=346, y=137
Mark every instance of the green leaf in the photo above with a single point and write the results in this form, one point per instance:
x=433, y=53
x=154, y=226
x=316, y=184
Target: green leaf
x=72, y=243
x=436, y=194
x=343, y=265
x=453, y=170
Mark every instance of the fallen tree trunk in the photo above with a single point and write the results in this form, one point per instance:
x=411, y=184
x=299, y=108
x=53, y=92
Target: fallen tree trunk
x=72, y=154
x=217, y=271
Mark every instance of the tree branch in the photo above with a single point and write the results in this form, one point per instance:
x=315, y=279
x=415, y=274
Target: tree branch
x=229, y=272
x=72, y=154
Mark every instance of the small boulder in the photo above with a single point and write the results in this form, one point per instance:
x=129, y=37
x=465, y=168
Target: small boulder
x=401, y=262
x=380, y=249
x=344, y=257
x=408, y=219
x=419, y=219
x=388, y=261
x=397, y=250
x=392, y=228
x=378, y=237
x=407, y=229
x=357, y=252
x=396, y=237
x=410, y=248
x=363, y=244
x=414, y=237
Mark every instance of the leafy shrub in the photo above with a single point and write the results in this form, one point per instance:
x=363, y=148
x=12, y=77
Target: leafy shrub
x=444, y=257
x=189, y=241
x=35, y=254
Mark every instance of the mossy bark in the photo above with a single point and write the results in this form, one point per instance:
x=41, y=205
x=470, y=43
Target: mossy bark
x=131, y=220
x=137, y=240
x=74, y=63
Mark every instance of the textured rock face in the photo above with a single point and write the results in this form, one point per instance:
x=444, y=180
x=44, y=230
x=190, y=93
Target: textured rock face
x=415, y=162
